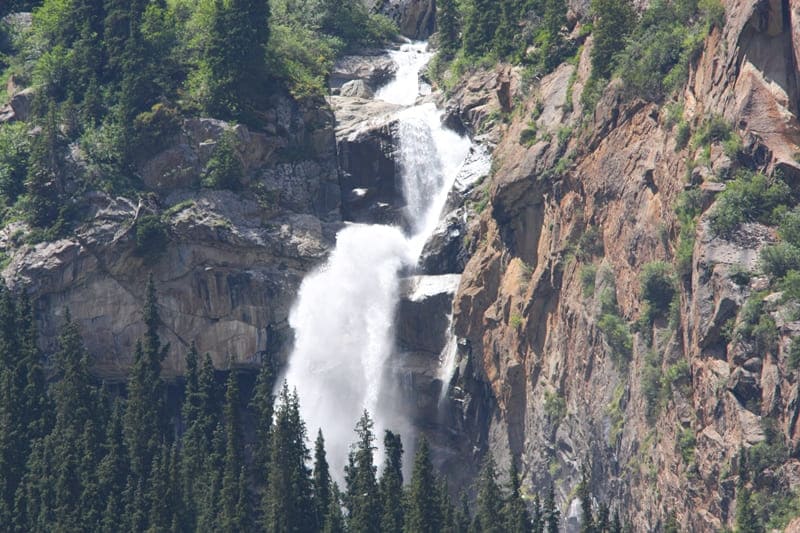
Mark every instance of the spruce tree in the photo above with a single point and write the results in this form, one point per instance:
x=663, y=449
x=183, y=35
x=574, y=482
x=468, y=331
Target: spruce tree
x=613, y=22
x=537, y=516
x=262, y=404
x=447, y=21
x=746, y=518
x=550, y=512
x=334, y=519
x=462, y=518
x=391, y=484
x=616, y=523
x=515, y=513
x=602, y=524
x=424, y=508
x=363, y=499
x=288, y=501
x=43, y=182
x=322, y=481
x=482, y=18
x=231, y=499
x=585, y=495
x=490, y=498
x=113, y=472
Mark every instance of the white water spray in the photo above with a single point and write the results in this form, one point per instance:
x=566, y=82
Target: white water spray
x=344, y=314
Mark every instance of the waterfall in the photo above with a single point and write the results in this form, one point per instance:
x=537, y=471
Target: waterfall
x=344, y=314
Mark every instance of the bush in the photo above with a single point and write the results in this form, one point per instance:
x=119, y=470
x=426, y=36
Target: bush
x=588, y=276
x=686, y=443
x=555, y=406
x=750, y=197
x=715, y=129
x=224, y=170
x=757, y=325
x=153, y=128
x=151, y=237
x=778, y=259
x=793, y=360
x=657, y=286
x=618, y=337
x=789, y=229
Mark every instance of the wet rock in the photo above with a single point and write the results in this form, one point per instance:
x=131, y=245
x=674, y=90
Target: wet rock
x=423, y=315
x=445, y=253
x=356, y=89
x=374, y=69
x=366, y=136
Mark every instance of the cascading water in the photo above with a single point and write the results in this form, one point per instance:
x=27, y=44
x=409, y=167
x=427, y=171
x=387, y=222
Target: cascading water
x=344, y=314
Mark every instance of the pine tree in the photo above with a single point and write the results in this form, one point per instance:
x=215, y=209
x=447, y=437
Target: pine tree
x=746, y=518
x=391, y=484
x=517, y=519
x=145, y=422
x=555, y=18
x=537, y=516
x=113, y=472
x=614, y=20
x=448, y=512
x=43, y=182
x=231, y=498
x=550, y=512
x=585, y=495
x=447, y=27
x=490, y=499
x=322, y=480
x=462, y=519
x=262, y=405
x=334, y=519
x=288, y=503
x=482, y=18
x=424, y=508
x=363, y=500
x=602, y=523
x=616, y=523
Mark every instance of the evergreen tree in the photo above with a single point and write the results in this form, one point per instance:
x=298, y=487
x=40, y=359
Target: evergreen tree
x=334, y=519
x=614, y=20
x=550, y=512
x=447, y=22
x=363, y=499
x=144, y=425
x=537, y=516
x=482, y=17
x=322, y=480
x=288, y=504
x=616, y=523
x=43, y=181
x=746, y=517
x=424, y=508
x=113, y=472
x=262, y=405
x=602, y=523
x=233, y=502
x=462, y=518
x=490, y=499
x=391, y=484
x=555, y=18
x=585, y=495
x=517, y=519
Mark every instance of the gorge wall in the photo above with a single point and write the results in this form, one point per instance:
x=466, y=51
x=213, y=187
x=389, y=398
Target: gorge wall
x=602, y=192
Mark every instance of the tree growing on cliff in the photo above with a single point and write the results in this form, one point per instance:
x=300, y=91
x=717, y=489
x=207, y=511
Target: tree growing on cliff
x=481, y=20
x=613, y=22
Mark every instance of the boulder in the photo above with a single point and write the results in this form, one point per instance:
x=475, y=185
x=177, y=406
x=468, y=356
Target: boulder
x=374, y=69
x=356, y=89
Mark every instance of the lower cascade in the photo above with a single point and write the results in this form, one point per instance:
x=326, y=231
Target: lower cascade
x=344, y=314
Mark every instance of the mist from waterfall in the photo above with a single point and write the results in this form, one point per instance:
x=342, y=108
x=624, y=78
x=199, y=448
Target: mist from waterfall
x=344, y=314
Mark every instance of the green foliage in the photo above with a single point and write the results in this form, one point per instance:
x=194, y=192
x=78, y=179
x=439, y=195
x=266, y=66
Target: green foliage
x=757, y=325
x=555, y=406
x=748, y=198
x=588, y=276
x=657, y=286
x=655, y=60
x=793, y=359
x=713, y=130
x=616, y=330
x=424, y=509
x=778, y=260
x=15, y=149
x=447, y=24
x=686, y=443
x=224, y=170
x=682, y=135
x=614, y=20
x=789, y=228
x=151, y=236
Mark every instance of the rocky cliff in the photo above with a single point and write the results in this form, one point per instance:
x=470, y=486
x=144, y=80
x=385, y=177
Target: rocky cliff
x=578, y=204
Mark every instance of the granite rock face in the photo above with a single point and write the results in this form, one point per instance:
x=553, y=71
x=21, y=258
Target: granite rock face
x=231, y=263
